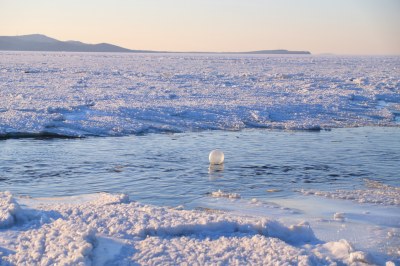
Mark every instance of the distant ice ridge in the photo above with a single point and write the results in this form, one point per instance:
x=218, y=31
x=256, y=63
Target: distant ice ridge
x=104, y=229
x=81, y=94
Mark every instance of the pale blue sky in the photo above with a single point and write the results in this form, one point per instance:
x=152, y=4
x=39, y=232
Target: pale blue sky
x=320, y=26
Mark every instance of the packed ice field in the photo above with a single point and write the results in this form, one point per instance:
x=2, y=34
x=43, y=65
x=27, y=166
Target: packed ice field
x=117, y=94
x=87, y=95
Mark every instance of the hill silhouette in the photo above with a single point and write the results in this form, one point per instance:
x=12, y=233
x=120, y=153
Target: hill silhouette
x=40, y=42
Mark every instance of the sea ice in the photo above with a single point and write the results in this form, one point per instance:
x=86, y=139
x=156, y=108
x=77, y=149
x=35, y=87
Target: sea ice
x=376, y=192
x=109, y=229
x=339, y=216
x=81, y=95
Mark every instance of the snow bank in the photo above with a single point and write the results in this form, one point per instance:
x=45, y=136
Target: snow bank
x=103, y=229
x=76, y=95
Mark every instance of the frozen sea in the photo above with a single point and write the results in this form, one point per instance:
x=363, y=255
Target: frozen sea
x=117, y=145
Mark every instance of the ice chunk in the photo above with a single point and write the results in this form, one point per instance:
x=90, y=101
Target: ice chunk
x=339, y=216
x=221, y=194
x=9, y=210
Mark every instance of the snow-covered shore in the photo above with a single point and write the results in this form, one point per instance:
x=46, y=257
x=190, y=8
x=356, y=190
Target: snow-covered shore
x=106, y=229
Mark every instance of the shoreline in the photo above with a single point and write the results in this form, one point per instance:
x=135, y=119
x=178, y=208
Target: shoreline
x=103, y=228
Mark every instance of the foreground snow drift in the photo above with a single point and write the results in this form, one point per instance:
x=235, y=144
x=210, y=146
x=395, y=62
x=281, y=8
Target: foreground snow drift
x=103, y=229
x=66, y=94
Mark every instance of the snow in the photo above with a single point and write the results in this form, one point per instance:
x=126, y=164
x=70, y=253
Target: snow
x=81, y=94
x=377, y=193
x=342, y=251
x=372, y=228
x=9, y=209
x=103, y=229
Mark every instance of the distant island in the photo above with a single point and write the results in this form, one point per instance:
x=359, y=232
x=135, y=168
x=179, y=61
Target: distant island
x=39, y=42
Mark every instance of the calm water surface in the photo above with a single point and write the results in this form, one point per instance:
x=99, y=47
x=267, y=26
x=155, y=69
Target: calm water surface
x=173, y=169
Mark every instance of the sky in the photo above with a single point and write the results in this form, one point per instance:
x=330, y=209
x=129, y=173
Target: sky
x=319, y=26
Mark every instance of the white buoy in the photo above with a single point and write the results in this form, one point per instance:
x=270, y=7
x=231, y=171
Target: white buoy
x=216, y=157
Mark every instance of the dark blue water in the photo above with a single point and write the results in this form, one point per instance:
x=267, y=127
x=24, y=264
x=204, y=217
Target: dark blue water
x=173, y=169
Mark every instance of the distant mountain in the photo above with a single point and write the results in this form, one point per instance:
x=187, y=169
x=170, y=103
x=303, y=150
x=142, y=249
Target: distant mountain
x=39, y=42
